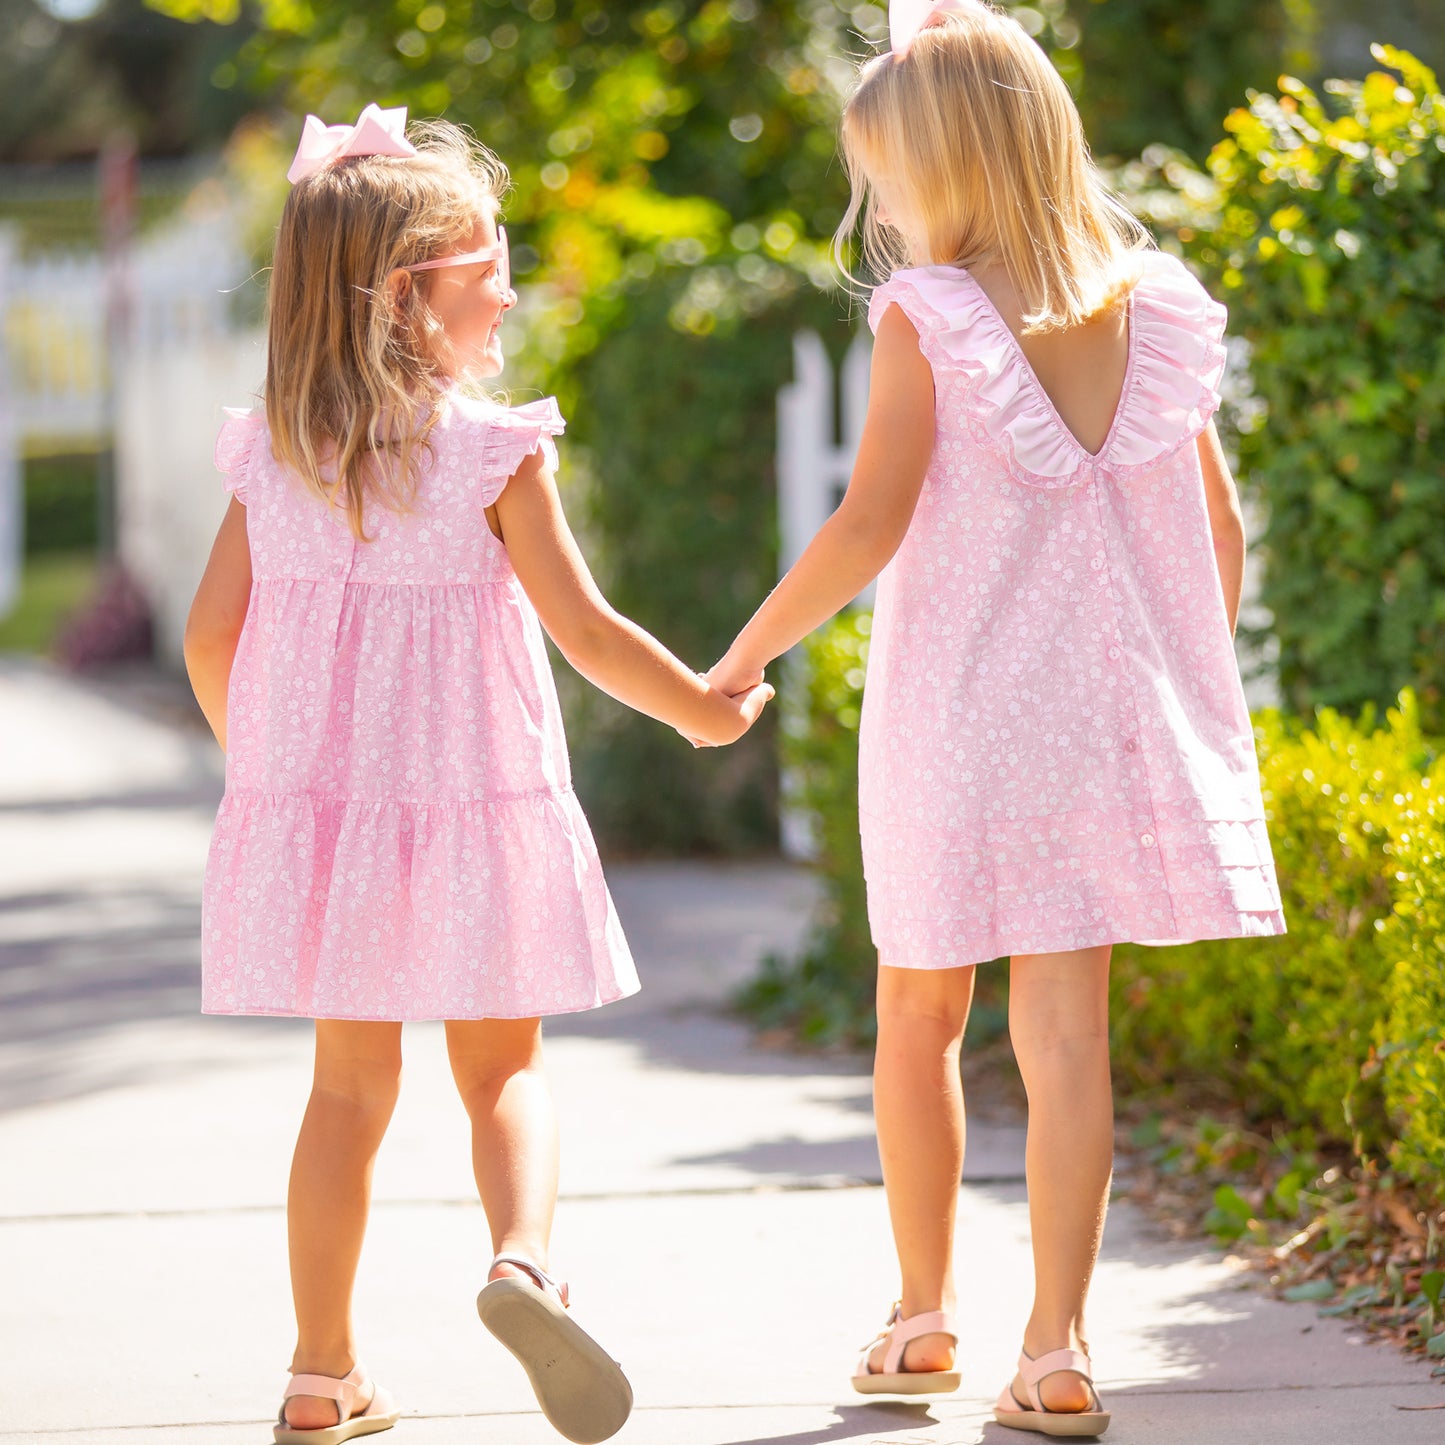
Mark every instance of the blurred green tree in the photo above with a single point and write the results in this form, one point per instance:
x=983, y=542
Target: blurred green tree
x=72, y=72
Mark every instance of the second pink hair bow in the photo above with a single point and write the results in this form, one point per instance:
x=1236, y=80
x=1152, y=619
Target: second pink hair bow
x=907, y=17
x=377, y=132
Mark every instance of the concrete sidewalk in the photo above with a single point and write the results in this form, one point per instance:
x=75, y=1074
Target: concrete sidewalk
x=721, y=1224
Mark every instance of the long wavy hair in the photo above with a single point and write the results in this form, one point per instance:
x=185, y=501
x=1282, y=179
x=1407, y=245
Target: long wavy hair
x=968, y=151
x=356, y=369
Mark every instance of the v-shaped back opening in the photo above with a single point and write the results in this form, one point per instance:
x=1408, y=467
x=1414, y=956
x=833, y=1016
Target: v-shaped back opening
x=1046, y=397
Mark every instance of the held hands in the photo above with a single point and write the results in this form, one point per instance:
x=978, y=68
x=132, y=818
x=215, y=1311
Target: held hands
x=745, y=696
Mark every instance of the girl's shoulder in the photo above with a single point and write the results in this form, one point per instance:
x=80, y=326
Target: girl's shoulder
x=1176, y=363
x=497, y=438
x=242, y=441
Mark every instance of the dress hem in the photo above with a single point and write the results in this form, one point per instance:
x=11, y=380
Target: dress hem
x=1253, y=925
x=426, y=1017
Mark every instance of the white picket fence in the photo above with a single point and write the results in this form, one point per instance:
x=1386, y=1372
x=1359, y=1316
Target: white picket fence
x=68, y=382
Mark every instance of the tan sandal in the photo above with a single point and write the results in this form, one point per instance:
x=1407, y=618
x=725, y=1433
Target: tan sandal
x=381, y=1412
x=1034, y=1415
x=893, y=1379
x=580, y=1387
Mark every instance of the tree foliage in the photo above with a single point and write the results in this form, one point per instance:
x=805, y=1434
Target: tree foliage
x=68, y=86
x=1330, y=250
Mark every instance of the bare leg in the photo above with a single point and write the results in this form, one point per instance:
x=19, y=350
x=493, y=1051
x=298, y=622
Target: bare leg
x=918, y=1104
x=353, y=1093
x=1059, y=1024
x=497, y=1064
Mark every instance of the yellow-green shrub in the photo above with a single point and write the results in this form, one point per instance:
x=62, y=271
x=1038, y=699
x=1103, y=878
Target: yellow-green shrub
x=1412, y=1050
x=1287, y=1024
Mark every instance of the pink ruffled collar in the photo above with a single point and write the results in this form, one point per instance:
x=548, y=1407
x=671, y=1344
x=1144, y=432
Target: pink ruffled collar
x=1170, y=390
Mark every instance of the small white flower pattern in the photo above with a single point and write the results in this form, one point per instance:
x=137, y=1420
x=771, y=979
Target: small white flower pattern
x=1055, y=749
x=399, y=838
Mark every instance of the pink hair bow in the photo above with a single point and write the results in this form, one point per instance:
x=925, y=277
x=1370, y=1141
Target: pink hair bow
x=377, y=132
x=907, y=17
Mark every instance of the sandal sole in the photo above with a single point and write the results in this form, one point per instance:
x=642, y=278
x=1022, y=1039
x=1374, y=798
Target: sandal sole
x=1059, y=1424
x=580, y=1387
x=909, y=1382
x=352, y=1429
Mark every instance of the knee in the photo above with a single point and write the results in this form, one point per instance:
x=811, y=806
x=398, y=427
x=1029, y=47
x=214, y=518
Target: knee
x=924, y=1006
x=366, y=1086
x=1057, y=1040
x=483, y=1066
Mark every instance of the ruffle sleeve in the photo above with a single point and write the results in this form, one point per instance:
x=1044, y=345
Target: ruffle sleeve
x=1176, y=360
x=1177, y=365
x=240, y=434
x=513, y=434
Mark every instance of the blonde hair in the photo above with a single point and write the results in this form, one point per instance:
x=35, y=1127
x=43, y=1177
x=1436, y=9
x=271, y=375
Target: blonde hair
x=355, y=369
x=973, y=137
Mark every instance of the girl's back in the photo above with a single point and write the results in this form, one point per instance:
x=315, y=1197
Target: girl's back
x=399, y=836
x=1054, y=625
x=402, y=666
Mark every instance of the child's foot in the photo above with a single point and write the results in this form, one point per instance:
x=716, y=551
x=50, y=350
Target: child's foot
x=910, y=1357
x=922, y=1355
x=1064, y=1393
x=580, y=1387
x=327, y=1410
x=1053, y=1394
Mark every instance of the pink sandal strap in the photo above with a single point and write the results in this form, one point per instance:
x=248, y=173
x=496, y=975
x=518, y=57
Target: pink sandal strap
x=540, y=1277
x=1035, y=1372
x=904, y=1332
x=899, y=1333
x=325, y=1387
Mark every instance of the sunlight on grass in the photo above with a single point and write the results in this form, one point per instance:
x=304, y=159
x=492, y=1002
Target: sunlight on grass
x=51, y=588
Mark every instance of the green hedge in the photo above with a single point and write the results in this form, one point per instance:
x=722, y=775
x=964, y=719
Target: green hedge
x=1412, y=1052
x=678, y=508
x=60, y=504
x=1334, y=1030
x=1327, y=244
x=1290, y=1026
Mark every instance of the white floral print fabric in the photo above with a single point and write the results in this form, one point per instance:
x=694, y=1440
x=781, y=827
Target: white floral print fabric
x=399, y=838
x=1055, y=749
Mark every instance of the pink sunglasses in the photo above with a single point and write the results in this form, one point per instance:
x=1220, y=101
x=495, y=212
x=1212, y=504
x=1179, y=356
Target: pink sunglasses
x=498, y=253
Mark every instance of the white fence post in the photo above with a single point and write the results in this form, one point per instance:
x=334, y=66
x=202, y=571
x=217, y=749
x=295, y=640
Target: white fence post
x=181, y=358
x=814, y=464
x=12, y=497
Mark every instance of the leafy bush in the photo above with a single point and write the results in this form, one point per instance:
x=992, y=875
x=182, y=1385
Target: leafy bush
x=60, y=504
x=1413, y=1049
x=1287, y=1024
x=679, y=491
x=1329, y=248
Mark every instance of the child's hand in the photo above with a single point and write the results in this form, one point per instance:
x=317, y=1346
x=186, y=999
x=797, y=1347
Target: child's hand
x=732, y=677
x=735, y=715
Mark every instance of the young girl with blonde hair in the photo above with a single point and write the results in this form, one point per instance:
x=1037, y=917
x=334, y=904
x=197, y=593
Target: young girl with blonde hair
x=1055, y=753
x=399, y=838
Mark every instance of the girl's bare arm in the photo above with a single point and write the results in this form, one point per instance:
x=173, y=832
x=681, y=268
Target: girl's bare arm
x=1225, y=520
x=213, y=627
x=854, y=545
x=608, y=649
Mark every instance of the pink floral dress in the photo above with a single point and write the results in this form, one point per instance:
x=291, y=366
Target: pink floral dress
x=399, y=838
x=1055, y=749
